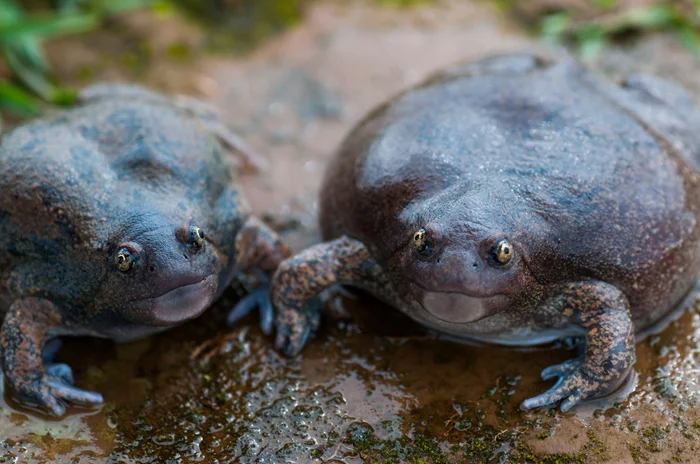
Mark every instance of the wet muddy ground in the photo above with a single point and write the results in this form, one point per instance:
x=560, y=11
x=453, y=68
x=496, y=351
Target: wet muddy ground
x=371, y=386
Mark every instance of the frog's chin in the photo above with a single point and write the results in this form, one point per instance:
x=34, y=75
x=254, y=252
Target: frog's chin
x=176, y=306
x=458, y=308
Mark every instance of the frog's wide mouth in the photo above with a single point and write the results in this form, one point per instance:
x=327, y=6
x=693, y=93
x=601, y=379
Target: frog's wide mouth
x=175, y=306
x=458, y=307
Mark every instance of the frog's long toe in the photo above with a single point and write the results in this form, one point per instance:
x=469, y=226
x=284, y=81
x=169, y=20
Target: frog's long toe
x=293, y=331
x=260, y=300
x=52, y=391
x=559, y=370
x=60, y=371
x=573, y=387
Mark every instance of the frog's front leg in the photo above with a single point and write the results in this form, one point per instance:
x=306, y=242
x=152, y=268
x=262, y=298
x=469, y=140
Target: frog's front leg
x=602, y=310
x=304, y=276
x=23, y=336
x=258, y=248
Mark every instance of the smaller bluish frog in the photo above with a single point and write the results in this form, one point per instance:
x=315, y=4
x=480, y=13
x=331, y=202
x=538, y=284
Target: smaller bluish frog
x=119, y=218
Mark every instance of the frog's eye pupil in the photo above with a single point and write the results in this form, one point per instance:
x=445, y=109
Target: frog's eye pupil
x=503, y=251
x=196, y=237
x=124, y=260
x=419, y=241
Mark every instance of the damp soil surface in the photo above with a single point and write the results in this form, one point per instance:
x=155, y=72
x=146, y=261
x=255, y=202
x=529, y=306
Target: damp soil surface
x=371, y=386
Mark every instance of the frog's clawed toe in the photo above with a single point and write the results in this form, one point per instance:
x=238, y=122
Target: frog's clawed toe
x=260, y=300
x=54, y=389
x=295, y=327
x=60, y=371
x=573, y=387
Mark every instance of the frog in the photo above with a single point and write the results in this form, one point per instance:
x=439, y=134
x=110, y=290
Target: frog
x=518, y=199
x=120, y=218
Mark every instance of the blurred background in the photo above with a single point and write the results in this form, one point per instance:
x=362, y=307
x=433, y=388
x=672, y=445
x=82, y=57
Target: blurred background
x=27, y=27
x=292, y=77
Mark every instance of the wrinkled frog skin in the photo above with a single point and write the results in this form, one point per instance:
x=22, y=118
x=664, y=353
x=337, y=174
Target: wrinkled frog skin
x=514, y=200
x=119, y=218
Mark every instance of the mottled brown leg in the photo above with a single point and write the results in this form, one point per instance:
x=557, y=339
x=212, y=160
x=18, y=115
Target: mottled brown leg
x=603, y=312
x=304, y=276
x=258, y=248
x=22, y=338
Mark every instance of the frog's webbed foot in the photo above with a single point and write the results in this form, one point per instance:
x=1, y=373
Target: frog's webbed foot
x=210, y=118
x=258, y=299
x=301, y=279
x=259, y=250
x=603, y=311
x=52, y=390
x=25, y=363
x=573, y=386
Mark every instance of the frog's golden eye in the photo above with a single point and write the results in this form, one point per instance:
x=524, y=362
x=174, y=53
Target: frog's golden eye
x=196, y=236
x=503, y=251
x=124, y=260
x=420, y=241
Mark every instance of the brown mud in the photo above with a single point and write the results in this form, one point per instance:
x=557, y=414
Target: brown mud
x=372, y=386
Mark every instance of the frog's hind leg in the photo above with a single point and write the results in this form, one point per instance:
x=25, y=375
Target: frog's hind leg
x=302, y=278
x=206, y=114
x=210, y=118
x=259, y=251
x=23, y=336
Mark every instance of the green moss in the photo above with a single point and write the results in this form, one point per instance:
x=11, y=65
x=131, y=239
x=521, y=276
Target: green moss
x=361, y=436
x=653, y=436
x=634, y=451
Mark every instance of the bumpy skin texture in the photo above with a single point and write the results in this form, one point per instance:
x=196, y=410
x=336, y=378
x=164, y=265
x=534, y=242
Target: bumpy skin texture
x=128, y=173
x=589, y=189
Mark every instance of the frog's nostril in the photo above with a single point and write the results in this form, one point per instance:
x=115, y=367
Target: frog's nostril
x=185, y=256
x=152, y=269
x=474, y=266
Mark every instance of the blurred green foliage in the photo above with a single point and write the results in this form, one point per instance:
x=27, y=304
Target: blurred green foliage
x=27, y=79
x=238, y=25
x=591, y=36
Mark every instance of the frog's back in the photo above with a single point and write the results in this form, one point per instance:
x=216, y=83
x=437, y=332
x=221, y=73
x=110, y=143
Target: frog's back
x=616, y=184
x=67, y=178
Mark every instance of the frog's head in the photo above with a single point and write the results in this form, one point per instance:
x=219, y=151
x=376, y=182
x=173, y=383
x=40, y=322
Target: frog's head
x=464, y=257
x=162, y=275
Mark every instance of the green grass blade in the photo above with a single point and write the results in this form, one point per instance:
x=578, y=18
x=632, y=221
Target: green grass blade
x=49, y=26
x=13, y=99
